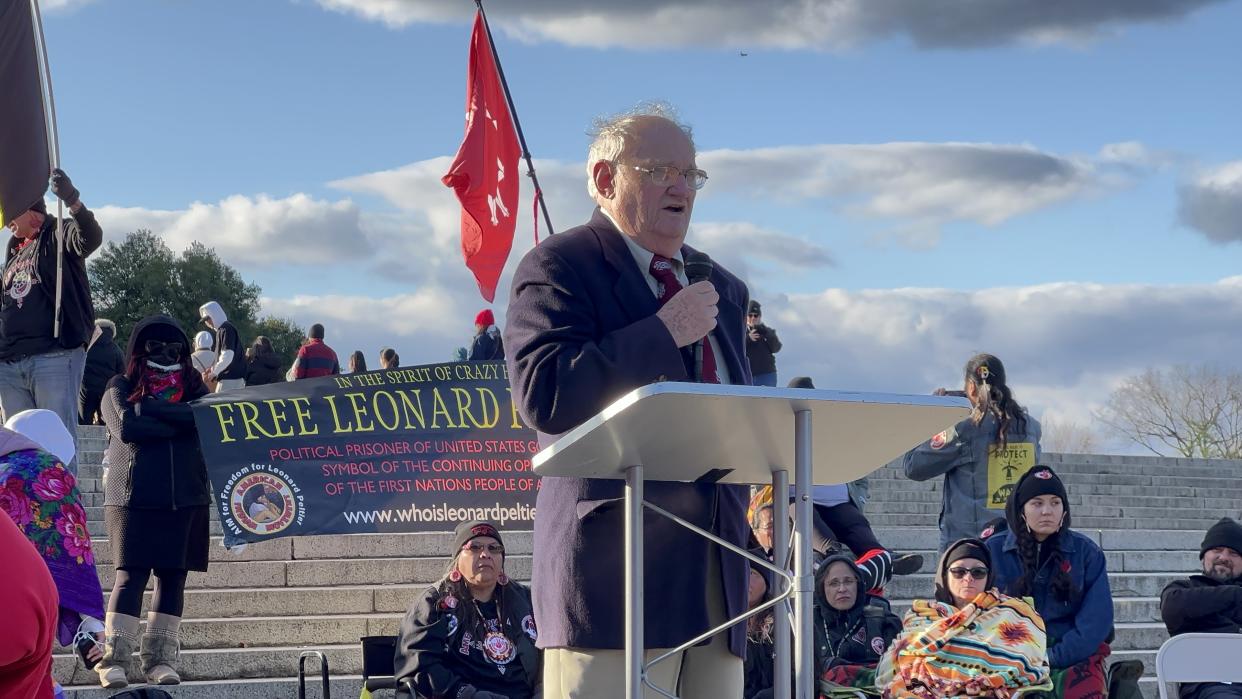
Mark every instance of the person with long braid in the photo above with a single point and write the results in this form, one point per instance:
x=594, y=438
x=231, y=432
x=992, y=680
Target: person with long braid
x=982, y=457
x=1067, y=576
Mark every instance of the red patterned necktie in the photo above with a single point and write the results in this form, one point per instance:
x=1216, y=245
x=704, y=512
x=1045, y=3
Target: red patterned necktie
x=662, y=271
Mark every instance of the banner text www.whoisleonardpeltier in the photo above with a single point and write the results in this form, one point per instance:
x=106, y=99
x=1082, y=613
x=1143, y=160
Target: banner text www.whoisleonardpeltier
x=498, y=513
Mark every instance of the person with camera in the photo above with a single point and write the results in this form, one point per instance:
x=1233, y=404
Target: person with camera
x=762, y=344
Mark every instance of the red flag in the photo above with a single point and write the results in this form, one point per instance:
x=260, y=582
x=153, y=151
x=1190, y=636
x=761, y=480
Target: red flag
x=485, y=172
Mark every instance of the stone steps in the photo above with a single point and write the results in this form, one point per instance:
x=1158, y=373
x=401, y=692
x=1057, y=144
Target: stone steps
x=325, y=572
x=325, y=592
x=340, y=685
x=214, y=664
x=342, y=629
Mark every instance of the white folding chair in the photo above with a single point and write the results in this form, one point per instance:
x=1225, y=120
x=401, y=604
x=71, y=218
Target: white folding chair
x=1199, y=657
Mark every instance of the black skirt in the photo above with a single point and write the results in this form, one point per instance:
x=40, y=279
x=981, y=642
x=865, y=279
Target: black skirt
x=176, y=539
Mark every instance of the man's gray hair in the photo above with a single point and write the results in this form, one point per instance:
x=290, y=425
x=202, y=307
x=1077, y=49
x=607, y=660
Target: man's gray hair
x=609, y=133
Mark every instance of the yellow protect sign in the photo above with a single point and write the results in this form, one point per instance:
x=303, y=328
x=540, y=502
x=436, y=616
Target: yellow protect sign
x=1005, y=467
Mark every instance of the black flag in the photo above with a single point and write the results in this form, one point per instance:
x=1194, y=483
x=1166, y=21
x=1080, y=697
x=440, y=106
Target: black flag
x=24, y=162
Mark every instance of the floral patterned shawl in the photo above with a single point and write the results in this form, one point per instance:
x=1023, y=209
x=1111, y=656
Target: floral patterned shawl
x=992, y=647
x=41, y=496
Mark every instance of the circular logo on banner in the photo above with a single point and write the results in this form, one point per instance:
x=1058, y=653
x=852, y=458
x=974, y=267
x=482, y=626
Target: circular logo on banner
x=263, y=503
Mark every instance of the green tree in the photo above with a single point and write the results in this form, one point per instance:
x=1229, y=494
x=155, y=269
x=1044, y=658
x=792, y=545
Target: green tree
x=131, y=280
x=141, y=276
x=286, y=337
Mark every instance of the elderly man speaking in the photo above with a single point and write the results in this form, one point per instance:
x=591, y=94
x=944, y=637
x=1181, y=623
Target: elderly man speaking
x=596, y=312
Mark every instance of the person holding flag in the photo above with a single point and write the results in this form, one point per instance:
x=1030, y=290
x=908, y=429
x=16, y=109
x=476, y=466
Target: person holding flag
x=46, y=316
x=38, y=368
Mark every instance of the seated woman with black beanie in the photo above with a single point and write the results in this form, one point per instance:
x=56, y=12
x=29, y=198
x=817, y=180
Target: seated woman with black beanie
x=1067, y=576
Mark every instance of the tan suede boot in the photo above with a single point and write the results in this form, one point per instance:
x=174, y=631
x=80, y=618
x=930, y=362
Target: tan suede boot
x=161, y=645
x=120, y=642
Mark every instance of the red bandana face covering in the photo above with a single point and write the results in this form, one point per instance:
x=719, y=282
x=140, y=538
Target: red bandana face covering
x=166, y=385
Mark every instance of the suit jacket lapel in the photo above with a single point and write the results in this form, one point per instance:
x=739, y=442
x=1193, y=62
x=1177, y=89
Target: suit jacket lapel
x=631, y=289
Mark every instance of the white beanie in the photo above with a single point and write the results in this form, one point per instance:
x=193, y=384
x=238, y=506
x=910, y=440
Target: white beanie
x=203, y=340
x=43, y=427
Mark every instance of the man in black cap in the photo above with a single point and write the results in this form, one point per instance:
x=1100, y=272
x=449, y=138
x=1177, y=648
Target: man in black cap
x=762, y=344
x=1210, y=602
x=41, y=364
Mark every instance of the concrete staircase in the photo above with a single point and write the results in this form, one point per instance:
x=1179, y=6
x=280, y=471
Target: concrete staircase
x=251, y=614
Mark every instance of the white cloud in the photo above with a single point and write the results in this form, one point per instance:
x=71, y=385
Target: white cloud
x=918, y=187
x=788, y=24
x=1212, y=203
x=423, y=326
x=1065, y=345
x=737, y=244
x=56, y=5
x=253, y=231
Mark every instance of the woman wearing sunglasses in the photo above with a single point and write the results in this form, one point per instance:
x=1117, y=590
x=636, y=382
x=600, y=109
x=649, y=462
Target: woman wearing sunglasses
x=970, y=640
x=472, y=634
x=1066, y=574
x=155, y=500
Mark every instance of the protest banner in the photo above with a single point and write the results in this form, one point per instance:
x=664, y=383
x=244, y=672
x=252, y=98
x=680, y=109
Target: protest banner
x=398, y=450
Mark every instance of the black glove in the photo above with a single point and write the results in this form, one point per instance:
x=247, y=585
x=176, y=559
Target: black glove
x=63, y=188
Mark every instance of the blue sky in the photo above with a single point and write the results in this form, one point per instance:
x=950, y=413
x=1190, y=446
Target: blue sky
x=904, y=185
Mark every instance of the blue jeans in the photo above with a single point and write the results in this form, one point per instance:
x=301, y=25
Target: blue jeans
x=765, y=379
x=49, y=381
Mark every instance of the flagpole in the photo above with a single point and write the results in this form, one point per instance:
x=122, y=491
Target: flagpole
x=53, y=151
x=530, y=166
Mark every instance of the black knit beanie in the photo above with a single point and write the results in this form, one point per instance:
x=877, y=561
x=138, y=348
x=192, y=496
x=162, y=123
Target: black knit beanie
x=1226, y=532
x=1039, y=481
x=962, y=548
x=472, y=530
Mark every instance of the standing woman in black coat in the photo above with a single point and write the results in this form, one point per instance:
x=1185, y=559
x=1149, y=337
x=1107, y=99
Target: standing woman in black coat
x=156, y=499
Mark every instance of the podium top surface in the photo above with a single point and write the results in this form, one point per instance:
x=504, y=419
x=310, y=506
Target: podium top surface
x=742, y=434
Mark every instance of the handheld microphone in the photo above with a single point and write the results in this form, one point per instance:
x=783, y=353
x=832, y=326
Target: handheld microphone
x=699, y=268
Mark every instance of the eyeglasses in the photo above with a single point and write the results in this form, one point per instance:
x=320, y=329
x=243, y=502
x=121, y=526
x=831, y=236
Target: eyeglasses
x=476, y=548
x=665, y=175
x=976, y=573
x=845, y=583
x=157, y=346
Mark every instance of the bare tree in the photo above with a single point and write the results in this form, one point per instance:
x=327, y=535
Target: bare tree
x=1191, y=411
x=1069, y=437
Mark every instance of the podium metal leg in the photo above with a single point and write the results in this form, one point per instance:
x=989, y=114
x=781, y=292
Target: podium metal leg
x=634, y=607
x=780, y=551
x=804, y=639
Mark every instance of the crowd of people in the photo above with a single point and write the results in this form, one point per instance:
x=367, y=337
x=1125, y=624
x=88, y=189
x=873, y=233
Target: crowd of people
x=60, y=366
x=1021, y=602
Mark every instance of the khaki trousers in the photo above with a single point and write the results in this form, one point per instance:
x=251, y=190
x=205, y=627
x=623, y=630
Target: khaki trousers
x=703, y=672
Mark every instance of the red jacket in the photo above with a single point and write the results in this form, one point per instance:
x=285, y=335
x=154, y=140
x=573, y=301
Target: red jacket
x=315, y=359
x=30, y=617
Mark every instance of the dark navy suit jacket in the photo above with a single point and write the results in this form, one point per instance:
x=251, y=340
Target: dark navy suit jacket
x=581, y=331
